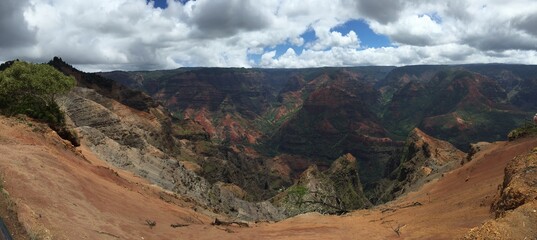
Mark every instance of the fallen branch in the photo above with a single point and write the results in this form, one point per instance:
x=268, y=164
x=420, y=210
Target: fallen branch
x=176, y=225
x=105, y=233
x=218, y=222
x=414, y=204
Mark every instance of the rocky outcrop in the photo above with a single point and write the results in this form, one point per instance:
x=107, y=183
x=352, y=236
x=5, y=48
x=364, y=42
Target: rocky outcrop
x=423, y=159
x=519, y=184
x=516, y=204
x=336, y=190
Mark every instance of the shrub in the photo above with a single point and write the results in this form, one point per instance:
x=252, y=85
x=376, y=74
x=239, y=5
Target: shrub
x=528, y=129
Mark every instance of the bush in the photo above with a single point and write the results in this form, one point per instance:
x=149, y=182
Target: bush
x=529, y=129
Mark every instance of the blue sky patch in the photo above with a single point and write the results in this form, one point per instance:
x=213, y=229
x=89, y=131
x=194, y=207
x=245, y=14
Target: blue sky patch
x=159, y=4
x=163, y=4
x=368, y=38
x=435, y=17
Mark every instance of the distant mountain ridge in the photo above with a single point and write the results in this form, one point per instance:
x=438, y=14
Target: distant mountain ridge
x=326, y=112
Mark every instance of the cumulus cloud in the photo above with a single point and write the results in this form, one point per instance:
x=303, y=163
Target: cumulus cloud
x=336, y=39
x=132, y=34
x=417, y=30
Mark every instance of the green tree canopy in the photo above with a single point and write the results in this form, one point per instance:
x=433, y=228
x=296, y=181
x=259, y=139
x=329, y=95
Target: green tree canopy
x=31, y=89
x=26, y=80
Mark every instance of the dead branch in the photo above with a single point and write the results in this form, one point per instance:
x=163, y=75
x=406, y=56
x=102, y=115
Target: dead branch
x=176, y=225
x=414, y=204
x=397, y=230
x=218, y=222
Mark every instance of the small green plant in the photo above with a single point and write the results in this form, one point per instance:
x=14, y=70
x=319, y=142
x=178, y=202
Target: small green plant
x=296, y=193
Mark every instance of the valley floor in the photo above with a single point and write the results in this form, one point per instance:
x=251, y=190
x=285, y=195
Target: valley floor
x=65, y=193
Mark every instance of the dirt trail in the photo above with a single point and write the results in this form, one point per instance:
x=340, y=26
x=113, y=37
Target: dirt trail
x=61, y=194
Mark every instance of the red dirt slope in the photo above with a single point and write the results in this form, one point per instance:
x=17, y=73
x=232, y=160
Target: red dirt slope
x=61, y=195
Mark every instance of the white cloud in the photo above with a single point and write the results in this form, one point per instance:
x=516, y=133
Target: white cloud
x=335, y=39
x=418, y=30
x=130, y=34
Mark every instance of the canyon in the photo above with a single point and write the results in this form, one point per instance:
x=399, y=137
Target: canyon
x=337, y=153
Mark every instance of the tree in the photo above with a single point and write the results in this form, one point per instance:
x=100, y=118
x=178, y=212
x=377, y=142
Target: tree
x=31, y=89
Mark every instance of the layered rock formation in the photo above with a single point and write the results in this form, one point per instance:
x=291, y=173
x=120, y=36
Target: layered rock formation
x=150, y=143
x=131, y=141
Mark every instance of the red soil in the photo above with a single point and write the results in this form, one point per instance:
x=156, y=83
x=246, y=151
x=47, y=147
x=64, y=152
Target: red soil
x=61, y=195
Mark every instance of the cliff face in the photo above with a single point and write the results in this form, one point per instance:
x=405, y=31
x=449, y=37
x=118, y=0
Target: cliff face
x=519, y=184
x=138, y=141
x=516, y=203
x=336, y=190
x=424, y=158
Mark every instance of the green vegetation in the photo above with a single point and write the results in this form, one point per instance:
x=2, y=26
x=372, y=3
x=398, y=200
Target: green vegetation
x=528, y=129
x=32, y=89
x=296, y=192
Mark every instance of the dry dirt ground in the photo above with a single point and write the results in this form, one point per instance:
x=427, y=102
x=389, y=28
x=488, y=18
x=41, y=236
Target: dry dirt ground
x=60, y=194
x=63, y=193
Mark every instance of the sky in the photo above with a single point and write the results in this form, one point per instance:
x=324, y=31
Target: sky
x=103, y=35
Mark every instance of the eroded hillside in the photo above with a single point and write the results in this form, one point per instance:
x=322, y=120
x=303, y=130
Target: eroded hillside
x=318, y=115
x=66, y=193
